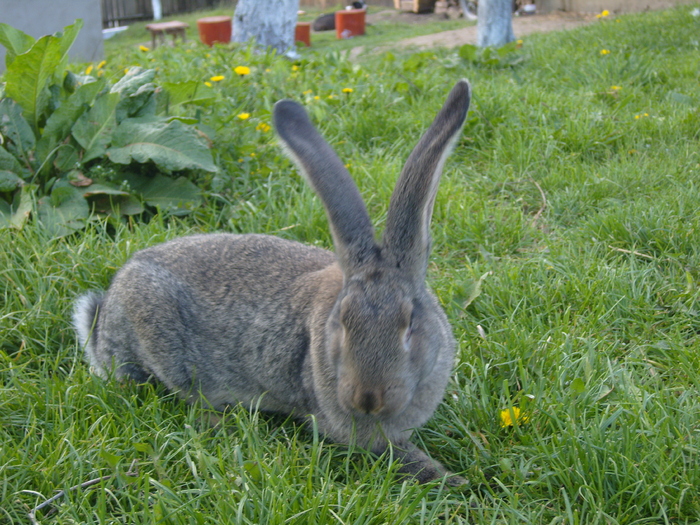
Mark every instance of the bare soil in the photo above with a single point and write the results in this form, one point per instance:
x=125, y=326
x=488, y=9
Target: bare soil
x=522, y=26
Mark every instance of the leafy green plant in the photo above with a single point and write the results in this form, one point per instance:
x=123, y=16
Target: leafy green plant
x=504, y=56
x=73, y=144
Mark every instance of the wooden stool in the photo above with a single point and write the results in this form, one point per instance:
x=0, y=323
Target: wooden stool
x=161, y=29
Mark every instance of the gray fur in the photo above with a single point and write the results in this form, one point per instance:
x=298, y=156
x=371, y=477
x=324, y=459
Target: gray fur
x=354, y=339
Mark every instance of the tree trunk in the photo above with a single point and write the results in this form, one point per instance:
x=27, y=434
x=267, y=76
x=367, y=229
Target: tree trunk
x=271, y=23
x=157, y=9
x=495, y=25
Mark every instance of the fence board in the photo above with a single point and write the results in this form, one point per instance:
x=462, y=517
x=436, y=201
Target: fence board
x=123, y=12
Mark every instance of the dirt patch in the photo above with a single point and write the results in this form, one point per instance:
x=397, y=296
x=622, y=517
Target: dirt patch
x=522, y=26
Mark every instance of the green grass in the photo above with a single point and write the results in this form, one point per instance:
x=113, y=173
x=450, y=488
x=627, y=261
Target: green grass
x=589, y=310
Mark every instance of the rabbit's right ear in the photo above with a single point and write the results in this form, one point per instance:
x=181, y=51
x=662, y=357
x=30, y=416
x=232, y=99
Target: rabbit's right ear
x=352, y=229
x=407, y=232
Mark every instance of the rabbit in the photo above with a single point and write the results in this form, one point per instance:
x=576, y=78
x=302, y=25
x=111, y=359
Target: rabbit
x=353, y=338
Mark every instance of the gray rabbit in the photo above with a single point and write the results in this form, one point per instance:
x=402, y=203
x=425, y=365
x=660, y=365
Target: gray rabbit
x=354, y=339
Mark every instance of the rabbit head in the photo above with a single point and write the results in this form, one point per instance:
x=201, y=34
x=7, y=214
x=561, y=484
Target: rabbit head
x=385, y=334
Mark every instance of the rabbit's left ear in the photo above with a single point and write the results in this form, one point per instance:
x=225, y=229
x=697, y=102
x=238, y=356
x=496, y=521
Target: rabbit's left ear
x=353, y=233
x=407, y=233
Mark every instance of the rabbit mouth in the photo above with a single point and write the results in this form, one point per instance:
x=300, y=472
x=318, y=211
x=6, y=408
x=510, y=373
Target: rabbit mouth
x=374, y=402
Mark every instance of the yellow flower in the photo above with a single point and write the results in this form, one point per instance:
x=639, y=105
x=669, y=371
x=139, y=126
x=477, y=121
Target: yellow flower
x=519, y=42
x=603, y=14
x=242, y=70
x=208, y=84
x=641, y=115
x=347, y=90
x=252, y=154
x=126, y=70
x=316, y=97
x=507, y=418
x=88, y=69
x=263, y=127
x=616, y=88
x=208, y=55
x=295, y=68
x=331, y=96
x=243, y=116
x=144, y=48
x=217, y=78
x=604, y=51
x=307, y=92
x=101, y=64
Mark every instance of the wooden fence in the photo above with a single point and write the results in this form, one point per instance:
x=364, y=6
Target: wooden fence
x=123, y=12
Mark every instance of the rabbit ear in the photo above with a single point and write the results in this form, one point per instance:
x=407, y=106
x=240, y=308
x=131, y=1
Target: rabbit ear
x=352, y=229
x=407, y=233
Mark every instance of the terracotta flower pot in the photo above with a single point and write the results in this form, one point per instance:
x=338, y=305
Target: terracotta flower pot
x=214, y=29
x=302, y=33
x=349, y=23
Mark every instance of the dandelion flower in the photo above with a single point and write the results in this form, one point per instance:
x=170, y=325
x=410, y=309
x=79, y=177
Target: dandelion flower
x=262, y=126
x=603, y=14
x=331, y=96
x=348, y=90
x=604, y=52
x=144, y=48
x=101, y=64
x=217, y=78
x=88, y=69
x=208, y=84
x=615, y=88
x=316, y=97
x=243, y=116
x=307, y=92
x=100, y=72
x=242, y=70
x=295, y=68
x=507, y=417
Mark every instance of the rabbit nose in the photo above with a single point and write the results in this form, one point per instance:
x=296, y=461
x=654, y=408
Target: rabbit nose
x=368, y=401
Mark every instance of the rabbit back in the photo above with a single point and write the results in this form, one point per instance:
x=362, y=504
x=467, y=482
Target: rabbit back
x=219, y=315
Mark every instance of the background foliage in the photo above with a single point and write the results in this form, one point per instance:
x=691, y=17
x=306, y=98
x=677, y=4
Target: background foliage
x=566, y=239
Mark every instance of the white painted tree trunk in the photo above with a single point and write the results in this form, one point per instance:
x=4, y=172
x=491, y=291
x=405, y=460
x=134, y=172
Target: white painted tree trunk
x=495, y=25
x=157, y=9
x=270, y=23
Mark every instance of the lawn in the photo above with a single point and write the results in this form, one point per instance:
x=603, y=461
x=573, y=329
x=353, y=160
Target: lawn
x=566, y=253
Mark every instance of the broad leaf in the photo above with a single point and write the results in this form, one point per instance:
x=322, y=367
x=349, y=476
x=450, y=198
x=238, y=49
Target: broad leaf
x=469, y=52
x=59, y=124
x=140, y=104
x=15, y=41
x=105, y=198
x=130, y=83
x=172, y=146
x=66, y=38
x=9, y=162
x=28, y=75
x=17, y=215
x=192, y=92
x=176, y=196
x=64, y=211
x=9, y=181
x=93, y=130
x=16, y=130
